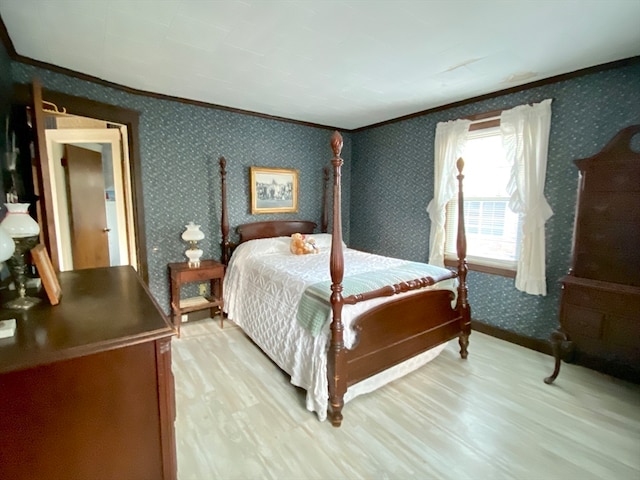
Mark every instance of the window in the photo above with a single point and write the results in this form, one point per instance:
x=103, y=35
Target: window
x=493, y=230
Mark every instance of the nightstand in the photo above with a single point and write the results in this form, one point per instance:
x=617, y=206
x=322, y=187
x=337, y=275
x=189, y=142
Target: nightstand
x=181, y=273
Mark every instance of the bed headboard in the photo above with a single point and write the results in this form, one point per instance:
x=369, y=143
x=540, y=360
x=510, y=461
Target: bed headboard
x=274, y=228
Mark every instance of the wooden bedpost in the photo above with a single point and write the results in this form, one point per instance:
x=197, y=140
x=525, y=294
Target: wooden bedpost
x=461, y=245
x=224, y=221
x=325, y=198
x=336, y=360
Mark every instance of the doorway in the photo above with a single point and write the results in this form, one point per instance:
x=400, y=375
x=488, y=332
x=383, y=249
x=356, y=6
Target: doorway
x=88, y=164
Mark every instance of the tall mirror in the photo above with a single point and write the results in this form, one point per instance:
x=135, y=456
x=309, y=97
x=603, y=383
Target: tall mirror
x=92, y=196
x=88, y=171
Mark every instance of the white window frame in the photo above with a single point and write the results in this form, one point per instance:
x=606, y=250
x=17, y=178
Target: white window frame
x=482, y=263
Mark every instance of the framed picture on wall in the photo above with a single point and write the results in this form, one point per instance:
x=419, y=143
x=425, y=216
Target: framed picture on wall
x=274, y=190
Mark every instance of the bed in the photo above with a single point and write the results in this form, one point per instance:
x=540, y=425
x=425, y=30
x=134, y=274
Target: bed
x=340, y=330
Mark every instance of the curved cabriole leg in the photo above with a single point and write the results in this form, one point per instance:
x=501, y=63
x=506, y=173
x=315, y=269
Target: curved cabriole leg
x=558, y=338
x=463, y=341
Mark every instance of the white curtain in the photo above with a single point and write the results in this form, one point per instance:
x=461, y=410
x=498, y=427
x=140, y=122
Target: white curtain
x=525, y=138
x=449, y=145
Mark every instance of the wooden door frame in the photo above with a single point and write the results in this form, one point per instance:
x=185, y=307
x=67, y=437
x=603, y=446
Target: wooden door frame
x=122, y=186
x=103, y=111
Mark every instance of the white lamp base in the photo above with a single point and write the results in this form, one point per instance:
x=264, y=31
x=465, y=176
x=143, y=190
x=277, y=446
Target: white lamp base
x=193, y=254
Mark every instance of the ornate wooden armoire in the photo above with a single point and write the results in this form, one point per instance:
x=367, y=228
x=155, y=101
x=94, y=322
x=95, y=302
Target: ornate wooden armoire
x=600, y=300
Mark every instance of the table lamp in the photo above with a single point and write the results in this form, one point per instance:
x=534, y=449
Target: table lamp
x=7, y=245
x=24, y=231
x=193, y=235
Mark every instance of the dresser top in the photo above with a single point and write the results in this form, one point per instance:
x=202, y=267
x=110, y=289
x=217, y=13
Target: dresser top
x=100, y=309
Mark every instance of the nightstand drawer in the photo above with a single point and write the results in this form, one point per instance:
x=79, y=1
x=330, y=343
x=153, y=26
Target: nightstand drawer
x=193, y=275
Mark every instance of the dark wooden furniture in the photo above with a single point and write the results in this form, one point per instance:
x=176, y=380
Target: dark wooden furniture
x=600, y=301
x=181, y=273
x=390, y=333
x=86, y=389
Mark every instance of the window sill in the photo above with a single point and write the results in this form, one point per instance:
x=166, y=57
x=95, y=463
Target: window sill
x=503, y=272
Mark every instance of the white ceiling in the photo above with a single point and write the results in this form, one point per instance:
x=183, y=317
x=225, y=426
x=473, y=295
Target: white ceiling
x=344, y=64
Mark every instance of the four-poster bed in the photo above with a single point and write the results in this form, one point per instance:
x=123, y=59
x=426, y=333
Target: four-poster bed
x=370, y=336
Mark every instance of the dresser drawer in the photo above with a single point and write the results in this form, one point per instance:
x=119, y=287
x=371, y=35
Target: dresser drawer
x=581, y=322
x=612, y=206
x=614, y=303
x=614, y=177
x=623, y=332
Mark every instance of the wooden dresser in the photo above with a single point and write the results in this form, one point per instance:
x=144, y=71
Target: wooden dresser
x=86, y=389
x=600, y=301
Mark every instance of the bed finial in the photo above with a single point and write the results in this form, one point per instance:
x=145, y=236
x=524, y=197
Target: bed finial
x=336, y=143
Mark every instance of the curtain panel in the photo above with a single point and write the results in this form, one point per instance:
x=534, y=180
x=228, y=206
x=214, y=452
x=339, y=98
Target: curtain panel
x=525, y=138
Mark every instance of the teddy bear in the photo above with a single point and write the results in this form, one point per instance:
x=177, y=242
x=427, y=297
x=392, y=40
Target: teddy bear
x=302, y=245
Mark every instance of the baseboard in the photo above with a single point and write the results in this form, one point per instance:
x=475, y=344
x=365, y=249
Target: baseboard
x=536, y=344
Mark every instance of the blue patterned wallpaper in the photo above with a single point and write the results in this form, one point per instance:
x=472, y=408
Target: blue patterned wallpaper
x=393, y=171
x=180, y=145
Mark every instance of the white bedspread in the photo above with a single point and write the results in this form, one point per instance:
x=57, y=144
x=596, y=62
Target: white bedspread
x=262, y=288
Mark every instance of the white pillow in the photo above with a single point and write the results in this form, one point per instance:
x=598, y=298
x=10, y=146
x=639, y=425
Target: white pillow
x=266, y=246
x=323, y=241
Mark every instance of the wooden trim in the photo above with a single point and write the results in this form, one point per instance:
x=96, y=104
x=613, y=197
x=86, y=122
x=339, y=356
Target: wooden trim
x=495, y=122
x=536, y=344
x=45, y=197
x=493, y=114
x=504, y=272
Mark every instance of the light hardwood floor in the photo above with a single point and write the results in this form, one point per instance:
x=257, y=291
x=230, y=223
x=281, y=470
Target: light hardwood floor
x=489, y=417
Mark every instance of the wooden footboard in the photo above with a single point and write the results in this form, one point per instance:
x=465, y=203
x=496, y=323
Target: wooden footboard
x=394, y=331
x=398, y=330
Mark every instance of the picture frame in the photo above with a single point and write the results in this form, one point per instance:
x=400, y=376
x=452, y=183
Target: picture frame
x=47, y=274
x=274, y=190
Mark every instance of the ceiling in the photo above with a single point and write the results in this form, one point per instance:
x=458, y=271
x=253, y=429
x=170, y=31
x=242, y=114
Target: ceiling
x=344, y=64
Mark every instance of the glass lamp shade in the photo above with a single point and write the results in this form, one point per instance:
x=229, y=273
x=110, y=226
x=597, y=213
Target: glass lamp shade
x=193, y=235
x=18, y=223
x=7, y=245
x=24, y=231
